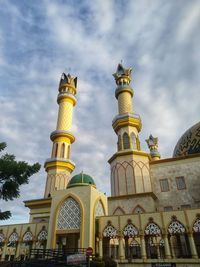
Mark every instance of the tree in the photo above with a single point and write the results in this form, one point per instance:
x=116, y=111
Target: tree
x=13, y=174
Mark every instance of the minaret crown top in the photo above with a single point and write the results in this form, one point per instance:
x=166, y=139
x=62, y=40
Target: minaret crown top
x=67, y=81
x=122, y=76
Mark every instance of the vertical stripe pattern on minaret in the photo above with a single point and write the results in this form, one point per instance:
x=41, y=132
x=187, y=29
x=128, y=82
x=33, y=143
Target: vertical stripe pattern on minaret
x=59, y=166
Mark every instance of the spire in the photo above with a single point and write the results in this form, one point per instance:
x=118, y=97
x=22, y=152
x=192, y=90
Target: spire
x=67, y=80
x=152, y=143
x=122, y=76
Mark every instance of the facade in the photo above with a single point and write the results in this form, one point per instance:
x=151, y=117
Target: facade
x=153, y=213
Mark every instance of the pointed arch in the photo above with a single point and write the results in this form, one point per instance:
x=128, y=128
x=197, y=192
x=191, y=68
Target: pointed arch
x=134, y=141
x=176, y=227
x=28, y=236
x=119, y=143
x=110, y=231
x=55, y=150
x=68, y=152
x=138, y=209
x=42, y=236
x=152, y=229
x=69, y=216
x=126, y=141
x=99, y=209
x=14, y=237
x=130, y=230
x=62, y=152
x=118, y=211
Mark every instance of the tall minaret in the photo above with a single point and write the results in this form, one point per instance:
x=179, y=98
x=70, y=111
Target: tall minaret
x=129, y=165
x=126, y=121
x=59, y=166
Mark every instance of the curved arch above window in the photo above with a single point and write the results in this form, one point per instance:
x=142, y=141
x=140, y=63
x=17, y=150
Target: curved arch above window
x=110, y=231
x=118, y=211
x=176, y=227
x=69, y=215
x=119, y=143
x=99, y=211
x=138, y=209
x=130, y=230
x=126, y=141
x=62, y=152
x=42, y=236
x=196, y=226
x=28, y=236
x=152, y=229
x=134, y=141
x=13, y=237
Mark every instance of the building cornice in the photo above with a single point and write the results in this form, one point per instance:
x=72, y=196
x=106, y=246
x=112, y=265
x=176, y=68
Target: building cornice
x=129, y=152
x=174, y=159
x=151, y=194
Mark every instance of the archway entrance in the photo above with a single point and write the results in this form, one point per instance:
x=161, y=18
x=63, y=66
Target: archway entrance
x=69, y=241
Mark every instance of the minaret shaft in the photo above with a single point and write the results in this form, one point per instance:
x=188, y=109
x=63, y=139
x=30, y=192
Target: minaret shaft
x=59, y=166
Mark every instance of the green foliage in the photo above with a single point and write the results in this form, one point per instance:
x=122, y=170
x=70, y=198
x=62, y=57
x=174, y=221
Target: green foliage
x=13, y=174
x=103, y=262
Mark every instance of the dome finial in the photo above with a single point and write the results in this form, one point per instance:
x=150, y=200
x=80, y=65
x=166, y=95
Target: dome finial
x=152, y=143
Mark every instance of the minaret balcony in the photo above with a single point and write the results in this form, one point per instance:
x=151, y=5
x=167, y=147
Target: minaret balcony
x=126, y=119
x=61, y=135
x=123, y=88
x=54, y=163
x=66, y=96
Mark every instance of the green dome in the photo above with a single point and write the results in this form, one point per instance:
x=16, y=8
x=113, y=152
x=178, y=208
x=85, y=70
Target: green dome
x=189, y=143
x=81, y=179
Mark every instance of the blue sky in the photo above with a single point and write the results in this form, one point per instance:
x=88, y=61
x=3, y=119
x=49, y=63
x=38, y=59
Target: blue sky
x=41, y=39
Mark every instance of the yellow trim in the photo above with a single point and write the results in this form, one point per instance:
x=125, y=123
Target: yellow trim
x=134, y=196
x=54, y=230
x=129, y=152
x=37, y=202
x=175, y=159
x=67, y=98
x=63, y=137
x=59, y=164
x=128, y=121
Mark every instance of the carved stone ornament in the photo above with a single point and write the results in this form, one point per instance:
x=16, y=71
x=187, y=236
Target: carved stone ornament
x=130, y=230
x=110, y=231
x=176, y=227
x=28, y=236
x=152, y=229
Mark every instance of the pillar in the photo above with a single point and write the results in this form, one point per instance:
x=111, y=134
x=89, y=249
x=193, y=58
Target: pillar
x=192, y=246
x=100, y=247
x=143, y=248
x=167, y=248
x=121, y=248
x=172, y=247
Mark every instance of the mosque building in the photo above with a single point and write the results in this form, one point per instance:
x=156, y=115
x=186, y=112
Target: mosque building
x=153, y=213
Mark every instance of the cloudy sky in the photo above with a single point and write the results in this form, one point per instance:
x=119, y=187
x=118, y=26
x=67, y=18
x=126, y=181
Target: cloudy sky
x=41, y=39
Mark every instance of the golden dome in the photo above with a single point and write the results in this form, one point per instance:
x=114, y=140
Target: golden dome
x=189, y=143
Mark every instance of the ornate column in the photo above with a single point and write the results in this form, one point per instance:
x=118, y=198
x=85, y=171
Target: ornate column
x=4, y=250
x=143, y=247
x=172, y=247
x=121, y=248
x=192, y=246
x=167, y=248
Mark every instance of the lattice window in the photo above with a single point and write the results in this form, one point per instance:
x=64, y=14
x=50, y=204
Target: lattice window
x=110, y=232
x=27, y=237
x=130, y=230
x=99, y=211
x=2, y=238
x=42, y=236
x=196, y=226
x=13, y=237
x=176, y=227
x=69, y=215
x=152, y=229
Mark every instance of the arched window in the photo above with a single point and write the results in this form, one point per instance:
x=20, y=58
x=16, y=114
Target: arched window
x=99, y=211
x=110, y=242
x=152, y=232
x=196, y=234
x=2, y=238
x=133, y=141
x=13, y=238
x=42, y=236
x=119, y=143
x=62, y=154
x=69, y=215
x=130, y=230
x=118, y=211
x=126, y=141
x=27, y=237
x=178, y=238
x=68, y=152
x=55, y=150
